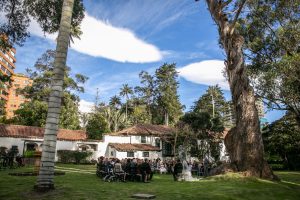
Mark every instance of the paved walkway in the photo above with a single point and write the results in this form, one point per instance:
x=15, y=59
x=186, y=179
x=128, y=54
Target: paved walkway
x=74, y=170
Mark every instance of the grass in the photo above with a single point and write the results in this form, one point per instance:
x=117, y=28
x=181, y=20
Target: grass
x=82, y=183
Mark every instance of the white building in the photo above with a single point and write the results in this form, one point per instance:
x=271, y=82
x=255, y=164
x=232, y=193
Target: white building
x=140, y=141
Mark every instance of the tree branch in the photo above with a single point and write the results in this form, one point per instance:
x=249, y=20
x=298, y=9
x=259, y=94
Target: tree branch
x=237, y=16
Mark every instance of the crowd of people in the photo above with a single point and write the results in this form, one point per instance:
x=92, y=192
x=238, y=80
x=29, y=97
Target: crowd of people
x=134, y=169
x=9, y=157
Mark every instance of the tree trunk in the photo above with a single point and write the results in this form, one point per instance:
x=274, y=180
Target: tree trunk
x=243, y=142
x=126, y=109
x=166, y=118
x=46, y=173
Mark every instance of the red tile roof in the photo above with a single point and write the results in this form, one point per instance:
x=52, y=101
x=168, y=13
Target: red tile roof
x=18, y=131
x=133, y=147
x=145, y=129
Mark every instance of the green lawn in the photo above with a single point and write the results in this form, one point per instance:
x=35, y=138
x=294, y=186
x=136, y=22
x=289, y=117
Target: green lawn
x=83, y=184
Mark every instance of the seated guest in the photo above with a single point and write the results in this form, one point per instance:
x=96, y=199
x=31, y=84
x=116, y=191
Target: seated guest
x=177, y=170
x=119, y=171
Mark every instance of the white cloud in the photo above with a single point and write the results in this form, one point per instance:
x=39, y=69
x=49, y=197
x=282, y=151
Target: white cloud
x=35, y=29
x=208, y=72
x=85, y=106
x=101, y=39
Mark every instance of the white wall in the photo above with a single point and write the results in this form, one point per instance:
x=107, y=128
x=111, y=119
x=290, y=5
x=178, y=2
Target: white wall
x=9, y=142
x=102, y=147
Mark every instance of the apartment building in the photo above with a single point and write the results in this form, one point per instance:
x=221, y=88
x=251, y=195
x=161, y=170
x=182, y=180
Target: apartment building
x=19, y=81
x=7, y=66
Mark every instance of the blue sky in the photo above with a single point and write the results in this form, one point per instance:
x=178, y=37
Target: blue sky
x=122, y=38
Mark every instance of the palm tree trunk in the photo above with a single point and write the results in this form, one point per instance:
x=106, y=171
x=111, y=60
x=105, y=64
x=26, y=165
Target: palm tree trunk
x=243, y=142
x=126, y=109
x=166, y=118
x=45, y=179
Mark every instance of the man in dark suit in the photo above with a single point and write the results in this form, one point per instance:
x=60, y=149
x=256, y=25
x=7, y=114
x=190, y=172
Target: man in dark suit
x=145, y=170
x=177, y=170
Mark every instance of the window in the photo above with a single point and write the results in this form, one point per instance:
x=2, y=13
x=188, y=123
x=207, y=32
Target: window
x=146, y=154
x=157, y=142
x=143, y=139
x=167, y=149
x=111, y=153
x=130, y=154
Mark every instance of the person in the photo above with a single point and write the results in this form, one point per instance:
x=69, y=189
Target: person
x=177, y=170
x=4, y=155
x=206, y=165
x=119, y=171
x=145, y=170
x=19, y=160
x=162, y=167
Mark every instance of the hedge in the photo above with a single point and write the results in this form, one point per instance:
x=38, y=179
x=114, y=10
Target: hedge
x=68, y=156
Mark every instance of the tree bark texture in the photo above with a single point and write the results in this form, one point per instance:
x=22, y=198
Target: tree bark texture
x=46, y=174
x=243, y=142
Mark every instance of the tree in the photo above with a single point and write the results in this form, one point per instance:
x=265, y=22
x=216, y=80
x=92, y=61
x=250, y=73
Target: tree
x=126, y=91
x=139, y=115
x=5, y=83
x=46, y=173
x=214, y=103
x=244, y=141
x=147, y=92
x=39, y=90
x=166, y=89
x=32, y=113
x=13, y=30
x=47, y=13
x=282, y=138
x=114, y=117
x=115, y=102
x=272, y=46
x=201, y=134
x=96, y=126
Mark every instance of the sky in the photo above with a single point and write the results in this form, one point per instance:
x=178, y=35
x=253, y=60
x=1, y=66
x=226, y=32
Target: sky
x=123, y=37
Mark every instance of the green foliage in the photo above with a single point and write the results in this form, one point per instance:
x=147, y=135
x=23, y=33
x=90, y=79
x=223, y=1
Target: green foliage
x=282, y=139
x=34, y=113
x=115, y=102
x=96, y=126
x=28, y=154
x=201, y=129
x=69, y=117
x=5, y=83
x=140, y=115
x=213, y=102
x=68, y=156
x=16, y=23
x=166, y=89
x=47, y=13
x=272, y=38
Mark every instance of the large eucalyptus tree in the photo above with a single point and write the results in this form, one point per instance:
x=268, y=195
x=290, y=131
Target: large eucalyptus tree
x=244, y=141
x=46, y=174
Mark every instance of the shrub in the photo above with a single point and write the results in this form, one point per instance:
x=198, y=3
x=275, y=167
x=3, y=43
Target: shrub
x=68, y=156
x=28, y=154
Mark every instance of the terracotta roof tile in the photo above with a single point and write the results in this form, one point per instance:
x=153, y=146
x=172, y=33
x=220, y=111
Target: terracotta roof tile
x=145, y=129
x=133, y=147
x=19, y=131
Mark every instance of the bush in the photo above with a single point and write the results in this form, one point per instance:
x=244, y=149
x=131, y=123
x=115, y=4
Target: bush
x=68, y=156
x=28, y=154
x=277, y=166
